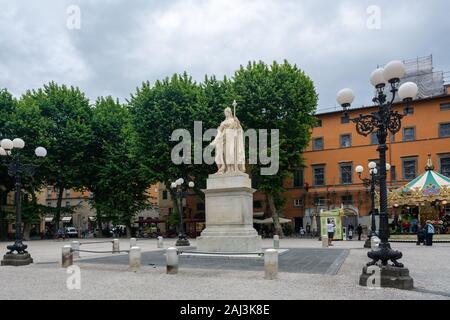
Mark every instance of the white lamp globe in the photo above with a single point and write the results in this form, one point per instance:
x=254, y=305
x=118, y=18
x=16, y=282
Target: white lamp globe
x=388, y=167
x=3, y=152
x=394, y=71
x=408, y=91
x=374, y=171
x=359, y=169
x=7, y=144
x=377, y=78
x=173, y=185
x=372, y=165
x=18, y=143
x=180, y=181
x=345, y=97
x=40, y=152
x=191, y=184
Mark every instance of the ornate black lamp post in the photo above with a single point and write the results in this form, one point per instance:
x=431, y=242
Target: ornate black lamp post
x=16, y=170
x=383, y=121
x=180, y=193
x=371, y=183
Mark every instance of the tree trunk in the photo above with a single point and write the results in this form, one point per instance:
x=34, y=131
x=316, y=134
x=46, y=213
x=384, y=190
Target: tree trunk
x=128, y=225
x=176, y=209
x=26, y=231
x=275, y=215
x=58, y=209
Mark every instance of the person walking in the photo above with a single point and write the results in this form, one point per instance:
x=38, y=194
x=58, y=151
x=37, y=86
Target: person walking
x=330, y=229
x=421, y=234
x=359, y=231
x=429, y=229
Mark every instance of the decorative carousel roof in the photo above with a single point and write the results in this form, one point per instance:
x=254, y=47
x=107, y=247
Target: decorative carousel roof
x=428, y=187
x=430, y=183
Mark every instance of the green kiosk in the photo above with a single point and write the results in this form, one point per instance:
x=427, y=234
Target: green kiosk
x=336, y=217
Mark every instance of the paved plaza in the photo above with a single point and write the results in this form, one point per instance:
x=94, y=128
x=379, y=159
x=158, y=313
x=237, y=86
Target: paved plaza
x=306, y=272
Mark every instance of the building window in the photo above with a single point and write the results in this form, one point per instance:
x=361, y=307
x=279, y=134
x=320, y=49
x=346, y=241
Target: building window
x=317, y=144
x=347, y=200
x=67, y=193
x=409, y=134
x=444, y=130
x=200, y=206
x=346, y=173
x=393, y=173
x=407, y=111
x=409, y=168
x=345, y=119
x=164, y=195
x=298, y=178
x=320, y=201
x=445, y=165
x=257, y=204
x=318, y=123
x=445, y=106
x=346, y=141
x=297, y=203
x=67, y=203
x=49, y=203
x=373, y=138
x=319, y=175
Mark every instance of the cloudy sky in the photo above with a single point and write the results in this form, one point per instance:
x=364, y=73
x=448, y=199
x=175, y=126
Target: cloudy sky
x=117, y=44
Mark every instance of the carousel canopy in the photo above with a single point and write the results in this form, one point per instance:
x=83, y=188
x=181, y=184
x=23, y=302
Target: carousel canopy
x=430, y=183
x=428, y=187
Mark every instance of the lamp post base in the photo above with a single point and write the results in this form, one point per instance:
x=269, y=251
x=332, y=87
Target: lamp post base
x=182, y=242
x=16, y=260
x=386, y=277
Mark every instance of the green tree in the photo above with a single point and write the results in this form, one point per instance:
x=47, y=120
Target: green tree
x=171, y=104
x=283, y=97
x=116, y=179
x=65, y=116
x=7, y=107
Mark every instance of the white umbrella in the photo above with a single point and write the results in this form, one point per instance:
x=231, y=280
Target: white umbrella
x=270, y=221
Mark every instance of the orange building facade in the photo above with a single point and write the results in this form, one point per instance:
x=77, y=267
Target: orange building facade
x=329, y=180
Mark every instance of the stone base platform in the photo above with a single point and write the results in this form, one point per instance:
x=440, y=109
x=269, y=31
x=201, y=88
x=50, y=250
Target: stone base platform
x=229, y=215
x=389, y=277
x=229, y=243
x=16, y=260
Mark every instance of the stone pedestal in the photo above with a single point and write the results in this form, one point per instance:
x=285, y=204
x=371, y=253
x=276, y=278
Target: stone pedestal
x=229, y=215
x=11, y=259
x=386, y=277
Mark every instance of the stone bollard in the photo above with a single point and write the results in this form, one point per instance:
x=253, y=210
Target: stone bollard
x=172, y=260
x=271, y=264
x=374, y=242
x=160, y=243
x=67, y=256
x=116, y=246
x=135, y=258
x=325, y=243
x=276, y=242
x=133, y=242
x=75, y=247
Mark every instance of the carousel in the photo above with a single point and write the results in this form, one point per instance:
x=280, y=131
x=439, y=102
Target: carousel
x=423, y=199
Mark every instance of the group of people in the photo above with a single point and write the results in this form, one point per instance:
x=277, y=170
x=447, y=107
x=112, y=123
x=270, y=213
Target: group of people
x=351, y=230
x=425, y=235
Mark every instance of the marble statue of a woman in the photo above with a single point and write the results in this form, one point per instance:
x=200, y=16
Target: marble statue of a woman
x=229, y=144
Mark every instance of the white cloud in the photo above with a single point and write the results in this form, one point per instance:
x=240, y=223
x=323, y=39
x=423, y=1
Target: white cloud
x=123, y=43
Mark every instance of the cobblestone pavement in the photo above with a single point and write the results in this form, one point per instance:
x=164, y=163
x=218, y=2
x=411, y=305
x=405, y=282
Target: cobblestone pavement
x=428, y=266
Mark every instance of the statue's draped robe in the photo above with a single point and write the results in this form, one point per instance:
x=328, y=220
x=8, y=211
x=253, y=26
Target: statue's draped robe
x=229, y=144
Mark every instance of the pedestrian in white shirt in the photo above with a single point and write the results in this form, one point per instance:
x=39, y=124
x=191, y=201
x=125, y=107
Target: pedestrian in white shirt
x=330, y=229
